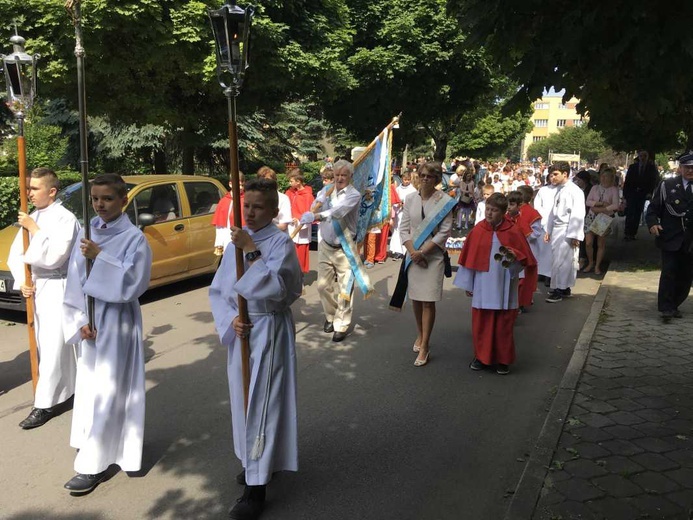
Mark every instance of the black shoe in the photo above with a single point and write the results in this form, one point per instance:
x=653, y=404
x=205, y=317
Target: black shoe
x=250, y=505
x=547, y=281
x=667, y=315
x=476, y=365
x=677, y=314
x=566, y=293
x=328, y=327
x=555, y=296
x=240, y=478
x=37, y=417
x=502, y=369
x=339, y=336
x=82, y=483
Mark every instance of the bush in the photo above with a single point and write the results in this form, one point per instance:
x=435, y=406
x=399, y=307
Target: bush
x=9, y=194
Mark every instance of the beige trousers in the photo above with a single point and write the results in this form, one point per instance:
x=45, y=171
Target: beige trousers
x=333, y=272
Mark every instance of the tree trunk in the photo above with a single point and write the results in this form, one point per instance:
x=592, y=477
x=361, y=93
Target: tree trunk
x=441, y=149
x=160, y=165
x=188, y=167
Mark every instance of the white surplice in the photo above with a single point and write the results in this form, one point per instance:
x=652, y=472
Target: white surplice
x=493, y=289
x=396, y=245
x=270, y=285
x=566, y=223
x=48, y=254
x=543, y=202
x=108, y=415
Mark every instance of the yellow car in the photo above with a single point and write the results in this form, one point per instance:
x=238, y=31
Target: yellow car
x=175, y=214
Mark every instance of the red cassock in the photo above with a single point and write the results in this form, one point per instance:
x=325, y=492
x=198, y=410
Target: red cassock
x=222, y=216
x=528, y=285
x=301, y=201
x=381, y=239
x=492, y=329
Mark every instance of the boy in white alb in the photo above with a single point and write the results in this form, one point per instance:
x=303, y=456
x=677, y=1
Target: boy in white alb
x=108, y=416
x=53, y=230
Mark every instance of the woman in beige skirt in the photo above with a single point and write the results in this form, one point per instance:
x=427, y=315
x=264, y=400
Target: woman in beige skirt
x=425, y=273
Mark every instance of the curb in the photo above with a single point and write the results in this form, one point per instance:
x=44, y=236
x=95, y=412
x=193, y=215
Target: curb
x=531, y=481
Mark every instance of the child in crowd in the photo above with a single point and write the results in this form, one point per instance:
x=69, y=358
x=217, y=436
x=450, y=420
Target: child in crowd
x=265, y=436
x=301, y=199
x=528, y=220
x=223, y=218
x=490, y=261
x=486, y=192
x=53, y=230
x=108, y=415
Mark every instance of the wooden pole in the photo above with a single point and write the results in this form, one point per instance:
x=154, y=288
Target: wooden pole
x=24, y=206
x=240, y=266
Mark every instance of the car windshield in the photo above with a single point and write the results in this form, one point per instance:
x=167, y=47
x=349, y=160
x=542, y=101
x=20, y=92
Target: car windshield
x=71, y=197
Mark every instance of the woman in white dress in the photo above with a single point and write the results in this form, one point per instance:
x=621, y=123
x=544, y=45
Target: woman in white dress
x=404, y=189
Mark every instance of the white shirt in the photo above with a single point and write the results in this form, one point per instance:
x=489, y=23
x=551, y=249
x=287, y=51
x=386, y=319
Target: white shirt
x=344, y=205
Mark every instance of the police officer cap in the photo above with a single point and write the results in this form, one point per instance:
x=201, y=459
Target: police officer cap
x=686, y=159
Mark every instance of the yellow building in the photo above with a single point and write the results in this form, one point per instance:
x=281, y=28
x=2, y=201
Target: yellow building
x=551, y=115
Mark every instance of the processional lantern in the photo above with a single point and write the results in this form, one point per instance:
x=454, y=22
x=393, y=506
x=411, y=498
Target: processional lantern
x=20, y=76
x=231, y=27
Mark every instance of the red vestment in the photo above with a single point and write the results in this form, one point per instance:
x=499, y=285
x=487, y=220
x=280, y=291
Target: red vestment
x=301, y=201
x=528, y=285
x=223, y=217
x=492, y=329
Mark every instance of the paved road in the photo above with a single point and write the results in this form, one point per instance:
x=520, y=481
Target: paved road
x=379, y=438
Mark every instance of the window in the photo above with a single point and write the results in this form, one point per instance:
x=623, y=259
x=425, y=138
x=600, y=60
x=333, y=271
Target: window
x=537, y=138
x=541, y=123
x=161, y=201
x=562, y=106
x=560, y=123
x=202, y=196
x=577, y=122
x=541, y=106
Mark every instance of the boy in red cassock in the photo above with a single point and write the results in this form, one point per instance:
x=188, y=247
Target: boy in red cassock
x=301, y=198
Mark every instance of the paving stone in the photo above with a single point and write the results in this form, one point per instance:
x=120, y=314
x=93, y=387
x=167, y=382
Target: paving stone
x=654, y=445
x=683, y=476
x=568, y=440
x=683, y=499
x=655, y=430
x=584, y=468
x=654, y=507
x=568, y=510
x=651, y=415
x=683, y=457
x=653, y=402
x=601, y=372
x=655, y=461
x=627, y=405
x=654, y=482
x=622, y=465
x=579, y=490
x=623, y=432
x=622, y=447
x=590, y=450
x=597, y=406
x=626, y=418
x=617, y=486
x=597, y=420
x=590, y=434
x=613, y=508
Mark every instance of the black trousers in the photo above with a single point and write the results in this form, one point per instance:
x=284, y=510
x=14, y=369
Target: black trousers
x=675, y=280
x=634, y=207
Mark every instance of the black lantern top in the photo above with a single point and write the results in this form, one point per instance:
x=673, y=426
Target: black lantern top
x=231, y=26
x=20, y=76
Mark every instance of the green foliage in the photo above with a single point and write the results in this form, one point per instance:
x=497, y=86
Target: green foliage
x=577, y=139
x=623, y=60
x=491, y=136
x=9, y=194
x=45, y=146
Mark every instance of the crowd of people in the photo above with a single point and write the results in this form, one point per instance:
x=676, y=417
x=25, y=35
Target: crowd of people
x=529, y=228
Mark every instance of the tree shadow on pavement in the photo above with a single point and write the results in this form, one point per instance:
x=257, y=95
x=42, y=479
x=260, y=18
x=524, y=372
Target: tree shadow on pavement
x=15, y=372
x=47, y=515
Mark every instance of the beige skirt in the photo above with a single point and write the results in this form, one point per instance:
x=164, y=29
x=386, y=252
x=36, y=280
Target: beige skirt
x=426, y=283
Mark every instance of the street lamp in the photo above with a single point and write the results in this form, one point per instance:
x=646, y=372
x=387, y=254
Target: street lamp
x=231, y=27
x=20, y=78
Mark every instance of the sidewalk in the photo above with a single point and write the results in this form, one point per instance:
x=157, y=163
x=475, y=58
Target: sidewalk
x=626, y=446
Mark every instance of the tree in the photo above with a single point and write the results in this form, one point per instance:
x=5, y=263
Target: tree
x=410, y=58
x=577, y=139
x=491, y=136
x=623, y=60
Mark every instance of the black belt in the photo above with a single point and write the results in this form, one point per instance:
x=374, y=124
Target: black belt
x=338, y=246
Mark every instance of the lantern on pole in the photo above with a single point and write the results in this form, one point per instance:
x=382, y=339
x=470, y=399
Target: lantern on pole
x=20, y=78
x=231, y=27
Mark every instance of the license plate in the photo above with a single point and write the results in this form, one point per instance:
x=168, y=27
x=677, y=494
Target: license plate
x=3, y=286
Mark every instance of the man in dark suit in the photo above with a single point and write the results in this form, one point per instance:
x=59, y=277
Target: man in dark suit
x=670, y=218
x=641, y=178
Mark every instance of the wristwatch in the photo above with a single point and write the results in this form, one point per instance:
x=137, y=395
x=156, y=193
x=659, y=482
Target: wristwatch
x=253, y=255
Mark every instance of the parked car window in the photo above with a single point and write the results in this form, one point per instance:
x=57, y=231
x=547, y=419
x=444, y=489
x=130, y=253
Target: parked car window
x=71, y=197
x=161, y=201
x=203, y=197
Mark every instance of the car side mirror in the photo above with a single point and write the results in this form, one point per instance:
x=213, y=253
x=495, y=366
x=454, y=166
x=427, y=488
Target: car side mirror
x=144, y=220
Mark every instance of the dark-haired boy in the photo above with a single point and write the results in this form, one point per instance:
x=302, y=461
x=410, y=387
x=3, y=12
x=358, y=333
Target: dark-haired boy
x=265, y=436
x=108, y=415
x=492, y=282
x=53, y=230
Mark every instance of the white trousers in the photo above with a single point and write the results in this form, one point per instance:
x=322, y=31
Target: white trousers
x=333, y=272
x=564, y=260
